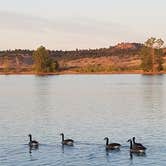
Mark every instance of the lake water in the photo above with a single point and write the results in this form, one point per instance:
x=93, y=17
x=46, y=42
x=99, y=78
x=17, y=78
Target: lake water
x=86, y=108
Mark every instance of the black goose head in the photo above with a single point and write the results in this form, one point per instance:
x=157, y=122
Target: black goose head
x=105, y=138
x=62, y=135
x=129, y=140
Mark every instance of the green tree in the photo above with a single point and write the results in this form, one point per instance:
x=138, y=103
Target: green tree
x=152, y=55
x=43, y=62
x=159, y=54
x=146, y=59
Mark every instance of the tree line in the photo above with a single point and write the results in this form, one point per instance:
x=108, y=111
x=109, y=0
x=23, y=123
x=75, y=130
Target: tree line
x=46, y=61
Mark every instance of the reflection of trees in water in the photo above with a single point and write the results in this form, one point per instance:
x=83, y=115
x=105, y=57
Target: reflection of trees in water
x=152, y=93
x=42, y=89
x=41, y=104
x=152, y=105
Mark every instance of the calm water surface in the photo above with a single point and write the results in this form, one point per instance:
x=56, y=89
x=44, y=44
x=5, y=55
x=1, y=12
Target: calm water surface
x=86, y=108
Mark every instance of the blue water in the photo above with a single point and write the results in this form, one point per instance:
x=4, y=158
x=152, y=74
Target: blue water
x=86, y=108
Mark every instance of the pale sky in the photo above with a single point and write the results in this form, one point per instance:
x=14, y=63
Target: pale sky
x=71, y=24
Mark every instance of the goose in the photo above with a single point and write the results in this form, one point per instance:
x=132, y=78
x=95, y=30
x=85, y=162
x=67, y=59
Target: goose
x=33, y=143
x=68, y=142
x=138, y=144
x=111, y=146
x=135, y=149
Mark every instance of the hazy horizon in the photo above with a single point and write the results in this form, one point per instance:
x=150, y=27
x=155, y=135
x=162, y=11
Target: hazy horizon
x=64, y=25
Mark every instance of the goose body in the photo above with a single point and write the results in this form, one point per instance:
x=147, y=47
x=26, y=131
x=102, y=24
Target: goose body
x=136, y=149
x=33, y=143
x=111, y=146
x=68, y=142
x=138, y=144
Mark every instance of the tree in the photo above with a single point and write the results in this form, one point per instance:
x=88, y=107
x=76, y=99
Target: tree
x=146, y=59
x=43, y=62
x=159, y=54
x=152, y=55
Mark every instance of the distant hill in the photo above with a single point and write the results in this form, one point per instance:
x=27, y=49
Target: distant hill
x=121, y=57
x=131, y=46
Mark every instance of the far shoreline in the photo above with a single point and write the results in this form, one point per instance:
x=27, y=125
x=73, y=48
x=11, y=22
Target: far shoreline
x=83, y=73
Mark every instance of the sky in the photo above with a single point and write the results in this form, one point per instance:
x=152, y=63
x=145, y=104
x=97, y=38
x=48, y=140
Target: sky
x=71, y=24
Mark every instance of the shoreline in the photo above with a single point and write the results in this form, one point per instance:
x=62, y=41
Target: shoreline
x=83, y=73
